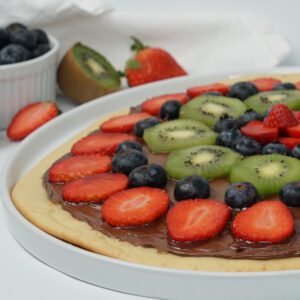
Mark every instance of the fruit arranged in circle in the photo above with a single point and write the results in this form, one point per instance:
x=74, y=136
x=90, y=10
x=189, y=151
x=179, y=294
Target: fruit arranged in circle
x=242, y=90
x=265, y=84
x=178, y=134
x=290, y=194
x=284, y=86
x=268, y=173
x=75, y=167
x=225, y=123
x=129, y=145
x=136, y=206
x=94, y=188
x=241, y=195
x=140, y=126
x=209, y=88
x=152, y=175
x=197, y=220
x=191, y=187
x=227, y=138
x=209, y=109
x=153, y=105
x=262, y=102
x=170, y=110
x=207, y=161
x=246, y=146
x=266, y=221
x=248, y=116
x=123, y=123
x=275, y=148
x=100, y=143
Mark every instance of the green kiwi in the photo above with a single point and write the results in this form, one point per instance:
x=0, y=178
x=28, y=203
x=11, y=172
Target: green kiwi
x=268, y=173
x=208, y=161
x=208, y=109
x=178, y=134
x=262, y=102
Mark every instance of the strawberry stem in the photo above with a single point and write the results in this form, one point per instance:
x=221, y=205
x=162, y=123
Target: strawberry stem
x=137, y=45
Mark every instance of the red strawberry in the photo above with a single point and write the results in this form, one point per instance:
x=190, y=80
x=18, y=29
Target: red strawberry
x=201, y=89
x=100, y=143
x=297, y=84
x=76, y=167
x=294, y=131
x=290, y=142
x=260, y=133
x=280, y=116
x=265, y=84
x=151, y=64
x=30, y=118
x=153, y=105
x=123, y=123
x=266, y=221
x=135, y=206
x=297, y=115
x=197, y=220
x=94, y=188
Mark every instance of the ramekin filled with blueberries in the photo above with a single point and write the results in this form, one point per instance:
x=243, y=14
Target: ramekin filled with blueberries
x=28, y=62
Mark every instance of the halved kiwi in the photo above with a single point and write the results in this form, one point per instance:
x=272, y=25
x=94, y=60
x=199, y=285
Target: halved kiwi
x=178, y=134
x=209, y=108
x=268, y=173
x=208, y=161
x=262, y=102
x=84, y=74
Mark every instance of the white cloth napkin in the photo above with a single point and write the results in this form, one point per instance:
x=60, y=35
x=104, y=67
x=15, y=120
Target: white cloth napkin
x=200, y=42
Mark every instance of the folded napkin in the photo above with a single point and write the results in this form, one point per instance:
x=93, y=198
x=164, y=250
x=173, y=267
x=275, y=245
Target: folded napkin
x=200, y=42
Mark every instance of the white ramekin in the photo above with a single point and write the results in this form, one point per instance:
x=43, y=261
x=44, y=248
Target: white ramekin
x=27, y=82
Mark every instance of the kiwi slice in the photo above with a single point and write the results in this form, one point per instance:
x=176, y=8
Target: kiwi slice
x=262, y=102
x=84, y=74
x=178, y=134
x=208, y=161
x=268, y=173
x=209, y=108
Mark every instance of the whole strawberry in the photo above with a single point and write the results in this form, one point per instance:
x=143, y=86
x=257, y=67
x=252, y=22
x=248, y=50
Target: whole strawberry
x=150, y=64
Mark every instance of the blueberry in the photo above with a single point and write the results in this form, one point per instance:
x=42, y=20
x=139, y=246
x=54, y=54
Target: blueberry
x=129, y=145
x=24, y=37
x=126, y=161
x=296, y=151
x=275, y=148
x=246, y=146
x=248, y=116
x=213, y=93
x=242, y=90
x=41, y=36
x=13, y=53
x=39, y=50
x=225, y=123
x=191, y=187
x=290, y=194
x=241, y=195
x=227, y=137
x=284, y=86
x=170, y=110
x=14, y=27
x=4, y=39
x=152, y=175
x=140, y=126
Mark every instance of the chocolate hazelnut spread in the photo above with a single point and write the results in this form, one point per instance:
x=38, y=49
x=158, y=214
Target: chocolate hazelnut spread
x=155, y=235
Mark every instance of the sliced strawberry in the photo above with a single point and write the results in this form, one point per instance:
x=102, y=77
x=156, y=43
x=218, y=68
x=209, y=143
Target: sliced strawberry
x=197, y=220
x=294, y=131
x=265, y=84
x=30, y=118
x=94, y=188
x=123, y=123
x=100, y=143
x=201, y=89
x=266, y=221
x=280, y=116
x=289, y=142
x=76, y=167
x=297, y=115
x=297, y=84
x=136, y=206
x=153, y=105
x=260, y=133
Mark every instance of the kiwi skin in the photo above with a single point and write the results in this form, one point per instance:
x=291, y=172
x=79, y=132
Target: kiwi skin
x=76, y=84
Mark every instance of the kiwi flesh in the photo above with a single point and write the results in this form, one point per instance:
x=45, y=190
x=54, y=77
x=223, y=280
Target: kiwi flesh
x=84, y=74
x=262, y=102
x=209, y=109
x=178, y=134
x=268, y=173
x=208, y=161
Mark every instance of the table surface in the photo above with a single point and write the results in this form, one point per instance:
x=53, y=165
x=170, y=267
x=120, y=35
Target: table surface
x=24, y=277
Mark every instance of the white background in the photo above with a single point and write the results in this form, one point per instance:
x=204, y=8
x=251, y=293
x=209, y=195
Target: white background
x=24, y=277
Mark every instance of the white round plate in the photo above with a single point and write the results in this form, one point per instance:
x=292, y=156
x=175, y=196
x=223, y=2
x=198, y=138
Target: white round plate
x=112, y=273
